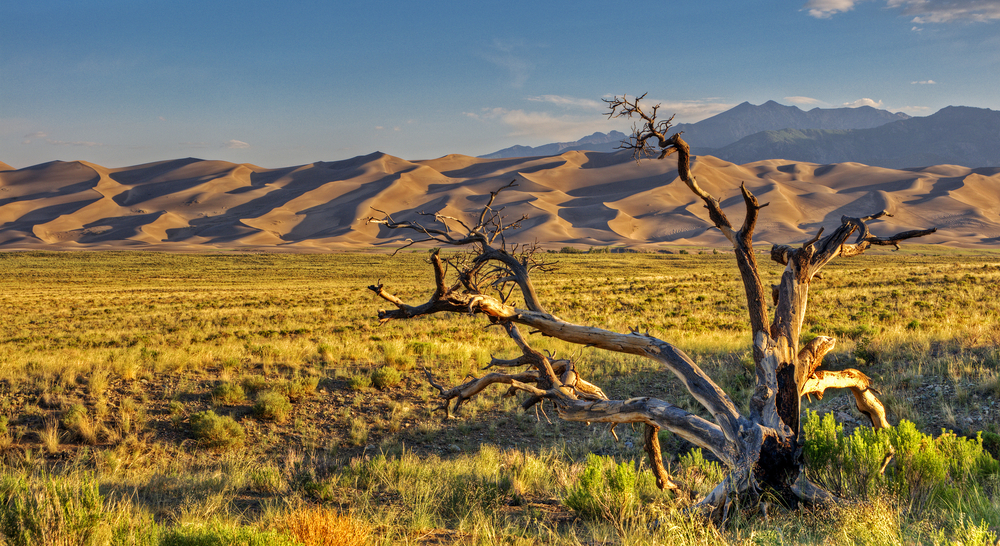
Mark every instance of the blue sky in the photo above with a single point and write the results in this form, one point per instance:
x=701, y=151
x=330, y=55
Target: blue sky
x=123, y=82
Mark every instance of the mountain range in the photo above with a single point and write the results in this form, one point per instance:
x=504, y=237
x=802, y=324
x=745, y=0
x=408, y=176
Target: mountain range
x=956, y=135
x=572, y=199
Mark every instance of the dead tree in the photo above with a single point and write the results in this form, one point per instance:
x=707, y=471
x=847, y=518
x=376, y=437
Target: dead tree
x=762, y=450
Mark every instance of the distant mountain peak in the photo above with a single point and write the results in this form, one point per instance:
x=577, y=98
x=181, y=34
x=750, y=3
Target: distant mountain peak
x=723, y=129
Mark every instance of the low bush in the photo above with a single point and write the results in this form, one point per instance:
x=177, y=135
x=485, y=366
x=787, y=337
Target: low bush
x=922, y=469
x=228, y=394
x=385, y=377
x=272, y=406
x=359, y=382
x=217, y=432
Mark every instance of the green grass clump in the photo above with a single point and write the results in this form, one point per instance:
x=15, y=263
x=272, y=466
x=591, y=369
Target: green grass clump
x=386, y=377
x=78, y=421
x=225, y=535
x=217, y=432
x=49, y=510
x=604, y=490
x=272, y=406
x=228, y=394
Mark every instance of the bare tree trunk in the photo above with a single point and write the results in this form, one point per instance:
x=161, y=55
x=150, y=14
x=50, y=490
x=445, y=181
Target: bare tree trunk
x=762, y=450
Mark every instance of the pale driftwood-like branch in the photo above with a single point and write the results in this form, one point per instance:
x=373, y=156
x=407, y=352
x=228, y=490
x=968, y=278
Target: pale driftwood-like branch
x=651, y=442
x=860, y=386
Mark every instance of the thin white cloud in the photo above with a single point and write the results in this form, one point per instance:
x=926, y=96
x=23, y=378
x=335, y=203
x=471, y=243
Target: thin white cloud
x=570, y=102
x=863, y=102
x=544, y=126
x=921, y=11
x=84, y=143
x=913, y=110
x=824, y=9
x=690, y=111
x=236, y=145
x=803, y=100
x=924, y=82
x=32, y=136
x=947, y=11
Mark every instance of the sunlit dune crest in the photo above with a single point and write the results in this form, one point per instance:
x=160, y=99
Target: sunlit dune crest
x=577, y=199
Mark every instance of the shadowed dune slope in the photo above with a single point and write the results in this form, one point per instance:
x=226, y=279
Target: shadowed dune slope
x=576, y=198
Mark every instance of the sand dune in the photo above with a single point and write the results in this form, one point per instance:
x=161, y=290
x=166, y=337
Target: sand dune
x=577, y=198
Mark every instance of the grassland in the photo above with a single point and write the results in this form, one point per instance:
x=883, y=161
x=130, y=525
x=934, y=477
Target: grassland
x=253, y=398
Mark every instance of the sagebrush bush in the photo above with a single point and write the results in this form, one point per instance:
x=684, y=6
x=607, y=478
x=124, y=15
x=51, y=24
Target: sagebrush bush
x=359, y=382
x=255, y=383
x=922, y=469
x=272, y=406
x=228, y=394
x=299, y=387
x=216, y=431
x=385, y=377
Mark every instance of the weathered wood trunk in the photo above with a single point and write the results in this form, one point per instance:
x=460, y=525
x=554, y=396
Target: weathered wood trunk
x=763, y=450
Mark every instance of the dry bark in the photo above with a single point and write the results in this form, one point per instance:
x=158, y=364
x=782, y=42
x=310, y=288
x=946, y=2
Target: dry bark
x=763, y=449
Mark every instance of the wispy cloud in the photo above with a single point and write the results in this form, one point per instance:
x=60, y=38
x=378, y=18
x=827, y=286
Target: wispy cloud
x=544, y=125
x=924, y=82
x=863, y=102
x=83, y=143
x=803, y=100
x=824, y=9
x=921, y=11
x=570, y=102
x=236, y=145
x=690, y=111
x=32, y=136
x=947, y=11
x=512, y=56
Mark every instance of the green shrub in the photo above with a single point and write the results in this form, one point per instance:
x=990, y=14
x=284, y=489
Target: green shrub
x=923, y=469
x=215, y=431
x=228, y=394
x=604, y=489
x=255, y=383
x=49, y=510
x=299, y=387
x=272, y=406
x=385, y=377
x=359, y=382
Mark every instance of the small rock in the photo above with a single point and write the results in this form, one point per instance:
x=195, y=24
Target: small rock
x=629, y=444
x=454, y=448
x=844, y=417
